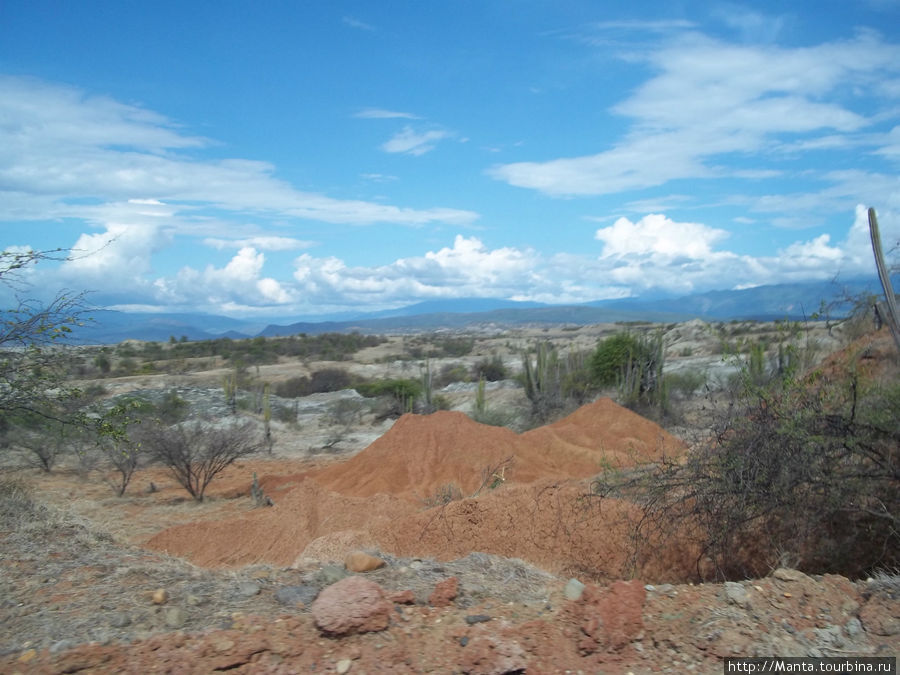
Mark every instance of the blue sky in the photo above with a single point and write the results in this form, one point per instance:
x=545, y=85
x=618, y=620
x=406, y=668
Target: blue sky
x=289, y=158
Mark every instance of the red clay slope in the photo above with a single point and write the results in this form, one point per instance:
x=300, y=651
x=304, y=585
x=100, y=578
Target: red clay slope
x=378, y=496
x=421, y=454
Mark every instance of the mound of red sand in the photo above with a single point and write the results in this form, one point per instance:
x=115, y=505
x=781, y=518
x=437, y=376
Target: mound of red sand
x=378, y=497
x=421, y=454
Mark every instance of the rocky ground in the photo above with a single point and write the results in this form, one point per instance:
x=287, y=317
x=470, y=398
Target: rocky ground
x=75, y=601
x=368, y=562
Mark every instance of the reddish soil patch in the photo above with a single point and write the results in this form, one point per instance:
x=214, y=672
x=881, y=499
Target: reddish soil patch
x=539, y=510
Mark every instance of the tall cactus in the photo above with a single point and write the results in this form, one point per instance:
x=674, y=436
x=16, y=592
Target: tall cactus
x=267, y=416
x=892, y=319
x=542, y=380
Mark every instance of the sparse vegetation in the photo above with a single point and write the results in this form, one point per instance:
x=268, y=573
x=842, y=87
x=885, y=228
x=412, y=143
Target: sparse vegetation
x=804, y=468
x=195, y=452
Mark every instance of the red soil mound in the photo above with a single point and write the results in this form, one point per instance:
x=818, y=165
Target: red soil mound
x=379, y=495
x=421, y=454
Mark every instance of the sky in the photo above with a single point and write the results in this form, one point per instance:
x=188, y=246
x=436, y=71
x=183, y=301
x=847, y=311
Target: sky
x=293, y=158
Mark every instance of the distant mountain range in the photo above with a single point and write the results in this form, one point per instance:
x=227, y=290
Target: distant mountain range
x=764, y=303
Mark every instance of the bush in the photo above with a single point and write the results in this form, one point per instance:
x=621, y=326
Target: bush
x=326, y=380
x=295, y=387
x=803, y=470
x=686, y=382
x=613, y=356
x=402, y=393
x=491, y=369
x=196, y=452
x=450, y=373
x=329, y=379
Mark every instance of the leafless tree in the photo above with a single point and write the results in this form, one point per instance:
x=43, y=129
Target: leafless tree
x=196, y=452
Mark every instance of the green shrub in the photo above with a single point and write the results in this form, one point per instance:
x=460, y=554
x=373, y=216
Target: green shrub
x=614, y=355
x=491, y=369
x=685, y=382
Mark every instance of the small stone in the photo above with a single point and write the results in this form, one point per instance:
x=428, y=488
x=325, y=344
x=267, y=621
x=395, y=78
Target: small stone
x=175, y=617
x=477, y=618
x=296, y=596
x=27, y=656
x=61, y=646
x=737, y=594
x=853, y=627
x=248, y=589
x=401, y=597
x=785, y=574
x=331, y=574
x=343, y=666
x=223, y=645
x=160, y=596
x=359, y=561
x=194, y=600
x=574, y=589
x=119, y=619
x=445, y=592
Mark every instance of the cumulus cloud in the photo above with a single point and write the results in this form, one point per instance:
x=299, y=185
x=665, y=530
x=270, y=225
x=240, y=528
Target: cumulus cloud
x=657, y=235
x=466, y=269
x=238, y=284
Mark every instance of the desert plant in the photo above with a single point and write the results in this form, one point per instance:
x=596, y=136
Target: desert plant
x=492, y=369
x=803, y=467
x=258, y=494
x=196, y=452
x=342, y=415
x=33, y=369
x=118, y=444
x=541, y=379
x=230, y=388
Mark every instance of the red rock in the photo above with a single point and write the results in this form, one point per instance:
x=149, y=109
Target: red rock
x=445, y=592
x=401, y=597
x=493, y=655
x=611, y=617
x=352, y=605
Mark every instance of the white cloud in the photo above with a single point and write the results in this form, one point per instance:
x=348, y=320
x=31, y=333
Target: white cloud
x=264, y=243
x=60, y=148
x=382, y=114
x=657, y=235
x=466, y=269
x=709, y=100
x=238, y=283
x=356, y=23
x=412, y=142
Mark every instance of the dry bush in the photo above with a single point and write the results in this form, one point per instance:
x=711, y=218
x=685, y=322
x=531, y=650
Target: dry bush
x=803, y=469
x=195, y=452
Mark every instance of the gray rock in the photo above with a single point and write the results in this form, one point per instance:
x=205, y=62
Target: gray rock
x=786, y=574
x=118, y=619
x=175, y=617
x=293, y=596
x=248, y=589
x=61, y=646
x=853, y=627
x=737, y=594
x=331, y=574
x=472, y=619
x=573, y=590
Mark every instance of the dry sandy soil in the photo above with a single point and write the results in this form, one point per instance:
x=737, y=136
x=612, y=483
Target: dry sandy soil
x=480, y=529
